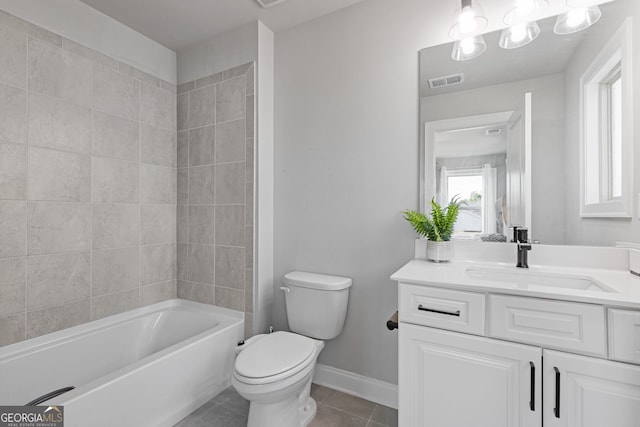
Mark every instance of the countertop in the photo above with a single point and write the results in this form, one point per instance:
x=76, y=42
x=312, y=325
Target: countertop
x=624, y=287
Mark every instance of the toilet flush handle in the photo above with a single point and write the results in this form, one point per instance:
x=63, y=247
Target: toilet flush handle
x=285, y=289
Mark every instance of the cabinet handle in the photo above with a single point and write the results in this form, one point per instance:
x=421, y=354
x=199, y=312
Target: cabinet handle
x=532, y=401
x=556, y=410
x=448, y=313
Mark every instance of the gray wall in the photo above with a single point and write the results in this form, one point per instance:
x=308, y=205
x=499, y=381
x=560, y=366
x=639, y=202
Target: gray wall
x=215, y=190
x=87, y=184
x=547, y=146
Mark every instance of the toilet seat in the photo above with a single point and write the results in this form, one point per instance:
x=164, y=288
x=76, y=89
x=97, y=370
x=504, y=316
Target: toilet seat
x=276, y=356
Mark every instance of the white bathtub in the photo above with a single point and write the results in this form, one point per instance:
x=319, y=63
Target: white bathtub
x=147, y=367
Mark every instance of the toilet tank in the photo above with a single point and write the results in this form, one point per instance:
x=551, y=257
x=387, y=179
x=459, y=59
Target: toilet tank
x=316, y=303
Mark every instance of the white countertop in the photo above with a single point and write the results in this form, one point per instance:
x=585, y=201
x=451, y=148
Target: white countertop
x=625, y=287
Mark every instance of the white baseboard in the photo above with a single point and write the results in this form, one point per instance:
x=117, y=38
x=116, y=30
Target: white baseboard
x=371, y=389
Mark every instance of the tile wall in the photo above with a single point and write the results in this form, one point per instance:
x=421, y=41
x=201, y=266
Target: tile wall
x=88, y=185
x=215, y=190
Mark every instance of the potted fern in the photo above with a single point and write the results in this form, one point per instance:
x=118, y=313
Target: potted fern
x=437, y=229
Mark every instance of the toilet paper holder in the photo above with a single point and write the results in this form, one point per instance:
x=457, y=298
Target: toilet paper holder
x=392, y=323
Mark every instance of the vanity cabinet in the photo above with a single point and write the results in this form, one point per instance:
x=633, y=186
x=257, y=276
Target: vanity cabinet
x=479, y=359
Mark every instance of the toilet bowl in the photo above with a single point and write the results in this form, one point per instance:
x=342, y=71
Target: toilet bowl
x=274, y=371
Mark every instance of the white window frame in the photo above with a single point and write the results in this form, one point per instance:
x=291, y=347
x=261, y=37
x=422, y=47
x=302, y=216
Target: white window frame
x=595, y=182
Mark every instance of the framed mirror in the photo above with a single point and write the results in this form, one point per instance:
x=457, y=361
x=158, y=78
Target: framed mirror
x=508, y=132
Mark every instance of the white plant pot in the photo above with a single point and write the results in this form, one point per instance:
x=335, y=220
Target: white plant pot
x=439, y=251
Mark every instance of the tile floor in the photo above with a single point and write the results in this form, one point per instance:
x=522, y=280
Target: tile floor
x=335, y=409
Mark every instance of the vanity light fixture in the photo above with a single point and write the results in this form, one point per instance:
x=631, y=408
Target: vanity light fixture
x=519, y=35
x=470, y=20
x=525, y=11
x=577, y=19
x=468, y=48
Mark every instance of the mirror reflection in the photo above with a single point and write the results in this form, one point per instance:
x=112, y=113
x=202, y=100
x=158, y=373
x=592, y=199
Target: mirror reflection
x=505, y=132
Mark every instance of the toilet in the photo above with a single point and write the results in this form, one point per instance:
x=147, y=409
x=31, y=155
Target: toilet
x=274, y=371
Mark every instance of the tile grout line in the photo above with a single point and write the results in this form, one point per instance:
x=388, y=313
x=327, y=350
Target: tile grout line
x=26, y=194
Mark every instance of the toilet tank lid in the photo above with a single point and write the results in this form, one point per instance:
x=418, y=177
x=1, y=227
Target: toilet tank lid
x=316, y=281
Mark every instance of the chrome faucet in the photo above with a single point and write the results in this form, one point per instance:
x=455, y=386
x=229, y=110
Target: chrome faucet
x=521, y=238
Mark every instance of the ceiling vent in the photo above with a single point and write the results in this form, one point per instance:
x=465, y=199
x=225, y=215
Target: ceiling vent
x=493, y=132
x=269, y=3
x=453, y=79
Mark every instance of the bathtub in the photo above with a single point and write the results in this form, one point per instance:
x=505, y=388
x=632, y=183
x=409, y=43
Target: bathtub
x=147, y=367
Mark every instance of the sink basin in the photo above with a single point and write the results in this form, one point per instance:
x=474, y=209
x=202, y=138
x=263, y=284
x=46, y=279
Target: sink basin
x=535, y=279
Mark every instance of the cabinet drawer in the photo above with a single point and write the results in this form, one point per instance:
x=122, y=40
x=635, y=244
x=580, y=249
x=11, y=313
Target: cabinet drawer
x=624, y=335
x=554, y=324
x=442, y=308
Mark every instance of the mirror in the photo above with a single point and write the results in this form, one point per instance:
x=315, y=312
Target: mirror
x=503, y=131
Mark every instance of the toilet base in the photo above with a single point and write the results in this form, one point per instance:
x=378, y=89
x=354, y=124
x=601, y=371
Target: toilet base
x=308, y=412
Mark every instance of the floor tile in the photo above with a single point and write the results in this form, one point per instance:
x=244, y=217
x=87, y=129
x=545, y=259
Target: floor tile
x=350, y=404
x=319, y=393
x=213, y=415
x=385, y=416
x=331, y=417
x=231, y=400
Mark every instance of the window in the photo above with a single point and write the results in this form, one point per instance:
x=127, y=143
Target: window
x=607, y=130
x=469, y=188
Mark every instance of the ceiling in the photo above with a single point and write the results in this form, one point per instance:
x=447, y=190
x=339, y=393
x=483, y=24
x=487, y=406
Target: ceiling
x=471, y=142
x=178, y=24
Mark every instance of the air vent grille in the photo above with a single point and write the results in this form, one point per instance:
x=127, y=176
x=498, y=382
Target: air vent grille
x=493, y=132
x=453, y=79
x=269, y=3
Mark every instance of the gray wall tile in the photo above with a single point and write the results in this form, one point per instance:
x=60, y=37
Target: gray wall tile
x=58, y=227
x=182, y=226
x=208, y=80
x=12, y=329
x=90, y=54
x=183, y=111
x=186, y=87
x=157, y=263
x=157, y=293
x=115, y=137
x=12, y=286
x=58, y=175
x=158, y=184
x=230, y=183
x=202, y=109
x=13, y=115
x=58, y=279
x=230, y=99
x=197, y=292
x=202, y=146
x=115, y=270
x=183, y=149
x=115, y=93
x=230, y=141
x=229, y=225
x=239, y=70
x=130, y=71
x=250, y=76
x=55, y=318
x=158, y=146
x=201, y=185
x=183, y=186
x=115, y=181
x=230, y=267
x=115, y=226
x=56, y=72
x=158, y=107
x=249, y=204
x=182, y=260
x=229, y=298
x=12, y=229
x=54, y=123
x=108, y=305
x=158, y=224
x=248, y=290
x=200, y=259
x=250, y=117
x=248, y=244
x=13, y=57
x=201, y=224
x=13, y=171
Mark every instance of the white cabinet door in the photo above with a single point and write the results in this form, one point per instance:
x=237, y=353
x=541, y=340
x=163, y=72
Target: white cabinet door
x=588, y=392
x=448, y=379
